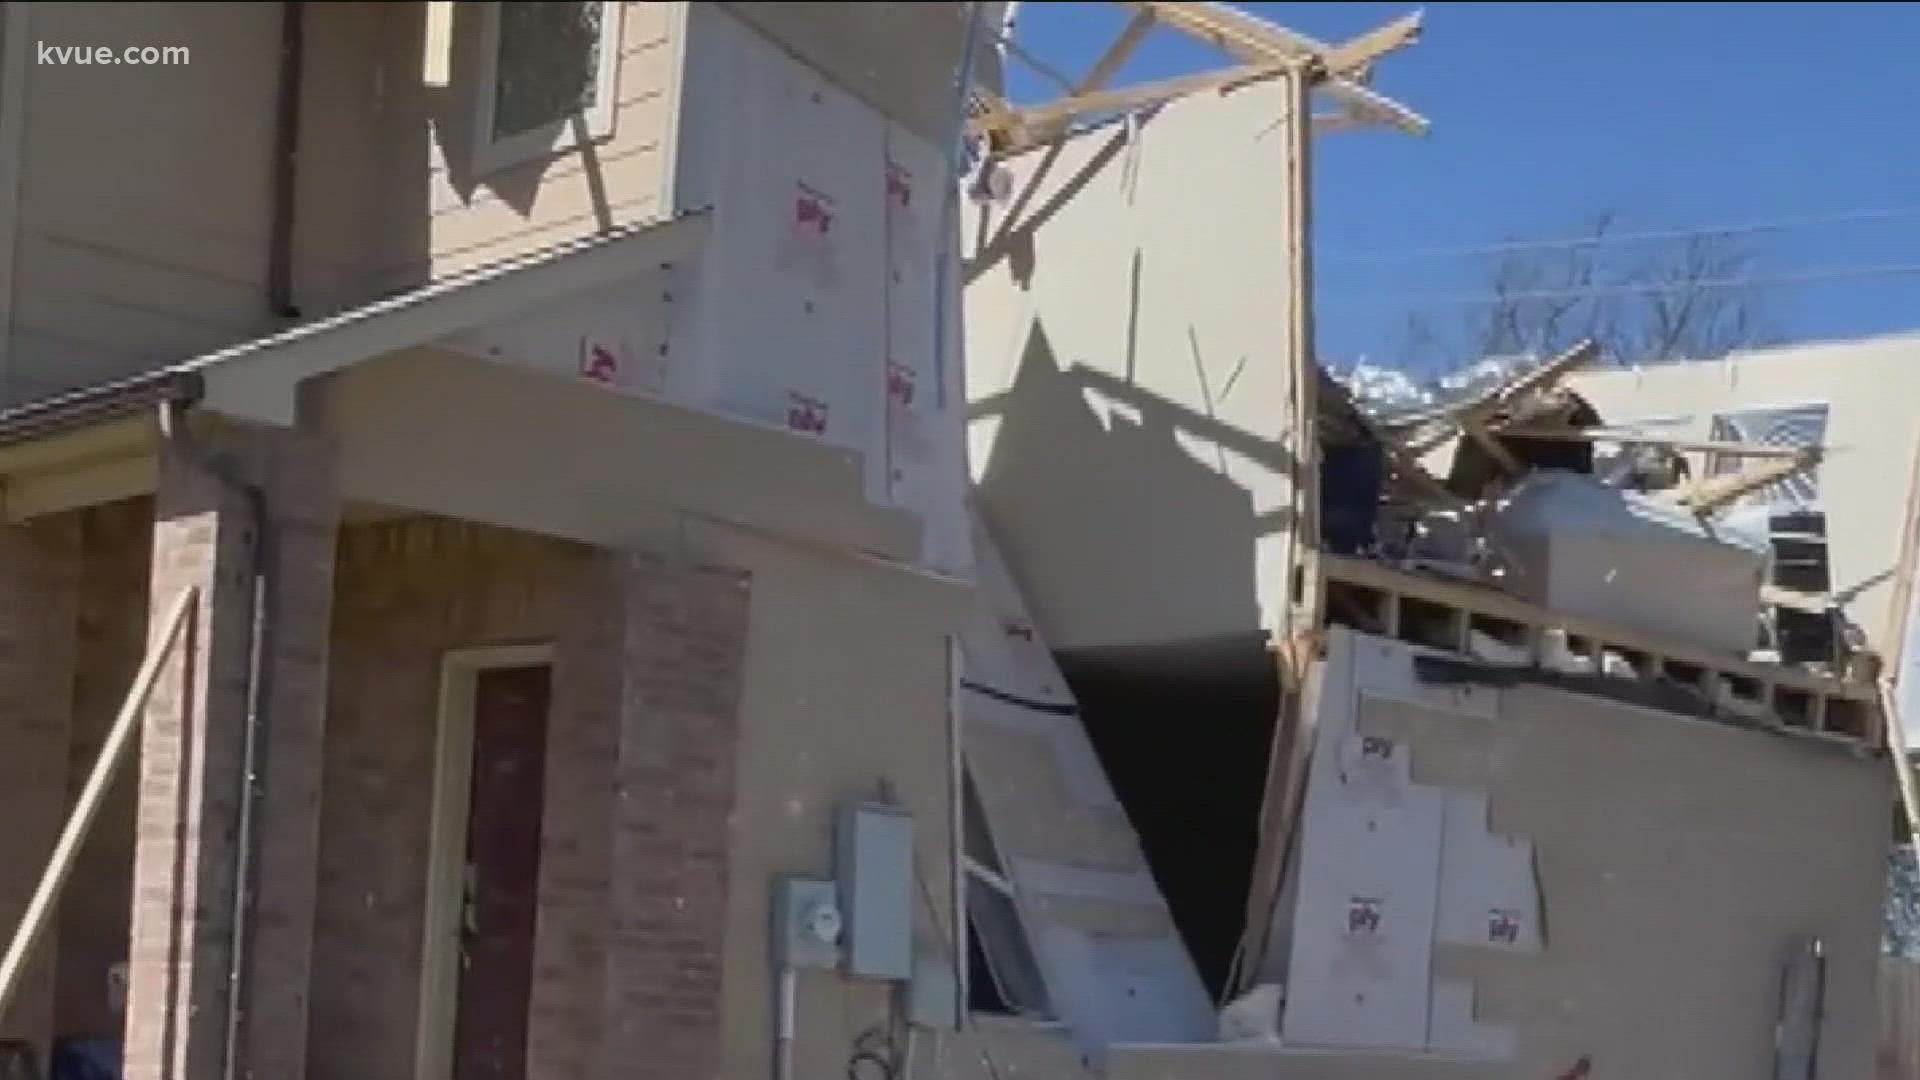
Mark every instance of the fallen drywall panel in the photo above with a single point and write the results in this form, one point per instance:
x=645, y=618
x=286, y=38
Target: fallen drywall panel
x=1114, y=966
x=1127, y=373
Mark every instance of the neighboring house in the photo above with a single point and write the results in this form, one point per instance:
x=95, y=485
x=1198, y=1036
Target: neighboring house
x=543, y=403
x=1852, y=396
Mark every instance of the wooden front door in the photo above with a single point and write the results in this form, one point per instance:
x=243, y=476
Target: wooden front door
x=502, y=873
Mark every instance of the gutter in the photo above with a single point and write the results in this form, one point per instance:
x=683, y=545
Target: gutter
x=101, y=402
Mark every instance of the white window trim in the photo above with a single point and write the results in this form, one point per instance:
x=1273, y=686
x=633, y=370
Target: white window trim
x=988, y=877
x=491, y=154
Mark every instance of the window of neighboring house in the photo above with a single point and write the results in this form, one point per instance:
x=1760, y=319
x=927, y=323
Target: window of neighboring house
x=1003, y=976
x=547, y=78
x=1797, y=531
x=1784, y=426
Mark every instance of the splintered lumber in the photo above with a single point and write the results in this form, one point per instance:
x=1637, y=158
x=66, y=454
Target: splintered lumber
x=1628, y=437
x=1710, y=493
x=1901, y=751
x=1427, y=430
x=1253, y=40
x=1264, y=52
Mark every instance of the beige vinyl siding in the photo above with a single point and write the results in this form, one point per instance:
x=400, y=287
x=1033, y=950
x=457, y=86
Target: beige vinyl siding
x=144, y=192
x=389, y=198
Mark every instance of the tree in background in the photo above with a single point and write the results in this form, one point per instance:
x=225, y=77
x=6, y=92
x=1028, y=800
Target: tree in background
x=1902, y=925
x=1644, y=298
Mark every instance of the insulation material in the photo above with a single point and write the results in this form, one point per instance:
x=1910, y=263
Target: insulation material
x=1389, y=868
x=925, y=427
x=1115, y=968
x=617, y=336
x=1369, y=877
x=1488, y=895
x=790, y=297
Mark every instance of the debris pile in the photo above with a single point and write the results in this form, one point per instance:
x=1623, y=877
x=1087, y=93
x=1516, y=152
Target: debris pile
x=1501, y=479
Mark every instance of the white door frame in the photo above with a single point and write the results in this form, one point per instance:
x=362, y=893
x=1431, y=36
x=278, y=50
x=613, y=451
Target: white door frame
x=446, y=846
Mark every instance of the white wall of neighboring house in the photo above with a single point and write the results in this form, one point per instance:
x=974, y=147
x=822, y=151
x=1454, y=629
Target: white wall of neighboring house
x=1869, y=388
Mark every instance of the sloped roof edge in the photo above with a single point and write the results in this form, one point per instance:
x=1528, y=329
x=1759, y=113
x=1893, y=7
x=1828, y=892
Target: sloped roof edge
x=257, y=379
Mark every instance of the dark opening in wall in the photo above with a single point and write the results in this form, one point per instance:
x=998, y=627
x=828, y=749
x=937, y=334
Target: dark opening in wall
x=1184, y=733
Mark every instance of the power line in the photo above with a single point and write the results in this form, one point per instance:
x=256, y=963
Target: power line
x=1602, y=239
x=1643, y=289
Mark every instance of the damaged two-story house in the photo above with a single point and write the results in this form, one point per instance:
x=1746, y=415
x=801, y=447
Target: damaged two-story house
x=508, y=453
x=510, y=568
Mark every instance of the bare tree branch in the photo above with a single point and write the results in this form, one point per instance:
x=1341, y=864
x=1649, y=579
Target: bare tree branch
x=1671, y=300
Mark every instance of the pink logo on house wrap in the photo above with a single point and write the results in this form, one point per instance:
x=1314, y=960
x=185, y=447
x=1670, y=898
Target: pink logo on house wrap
x=805, y=414
x=599, y=361
x=811, y=235
x=1503, y=926
x=900, y=383
x=1363, y=915
x=899, y=186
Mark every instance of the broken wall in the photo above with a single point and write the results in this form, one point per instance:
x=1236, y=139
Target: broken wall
x=1675, y=862
x=1127, y=373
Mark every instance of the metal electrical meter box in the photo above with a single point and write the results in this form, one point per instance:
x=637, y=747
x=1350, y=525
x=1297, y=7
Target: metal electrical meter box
x=807, y=924
x=873, y=855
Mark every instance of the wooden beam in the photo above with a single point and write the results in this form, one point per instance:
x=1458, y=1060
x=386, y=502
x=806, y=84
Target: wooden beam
x=1356, y=54
x=1485, y=600
x=1900, y=750
x=1713, y=492
x=1303, y=432
x=1253, y=40
x=1097, y=76
x=1641, y=438
x=1039, y=119
x=1117, y=53
x=1496, y=450
x=1460, y=412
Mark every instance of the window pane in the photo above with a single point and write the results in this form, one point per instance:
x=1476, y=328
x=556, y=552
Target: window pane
x=973, y=821
x=994, y=926
x=1795, y=426
x=549, y=64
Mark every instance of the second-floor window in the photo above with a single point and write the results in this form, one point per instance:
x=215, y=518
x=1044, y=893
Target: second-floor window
x=547, y=78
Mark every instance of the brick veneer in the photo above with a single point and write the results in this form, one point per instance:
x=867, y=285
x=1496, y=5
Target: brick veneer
x=684, y=651
x=191, y=759
x=641, y=744
x=39, y=566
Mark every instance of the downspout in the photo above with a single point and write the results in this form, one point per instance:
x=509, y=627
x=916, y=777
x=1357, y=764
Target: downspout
x=173, y=429
x=286, y=154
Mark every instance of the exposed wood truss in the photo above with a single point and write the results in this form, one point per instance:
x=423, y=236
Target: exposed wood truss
x=1263, y=50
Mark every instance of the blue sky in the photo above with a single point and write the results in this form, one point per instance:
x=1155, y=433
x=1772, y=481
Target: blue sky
x=1673, y=116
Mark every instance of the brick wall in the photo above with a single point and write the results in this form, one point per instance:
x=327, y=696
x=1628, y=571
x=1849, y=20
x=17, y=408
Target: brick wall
x=39, y=566
x=639, y=791
x=188, y=842
x=684, y=650
x=114, y=545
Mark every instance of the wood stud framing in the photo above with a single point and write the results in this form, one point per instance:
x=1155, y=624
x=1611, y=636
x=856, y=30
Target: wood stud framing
x=1264, y=52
